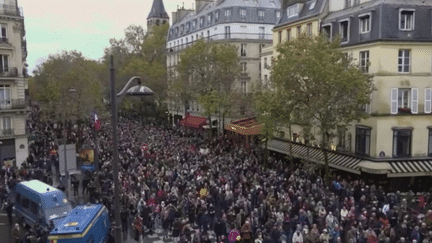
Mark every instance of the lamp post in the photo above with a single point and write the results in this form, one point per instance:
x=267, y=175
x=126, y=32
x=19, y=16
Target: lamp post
x=65, y=156
x=137, y=90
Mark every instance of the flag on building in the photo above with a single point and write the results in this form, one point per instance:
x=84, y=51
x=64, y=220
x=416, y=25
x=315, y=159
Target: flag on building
x=97, y=122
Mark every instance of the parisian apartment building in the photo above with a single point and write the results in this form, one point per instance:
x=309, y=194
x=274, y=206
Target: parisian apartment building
x=246, y=24
x=390, y=40
x=13, y=84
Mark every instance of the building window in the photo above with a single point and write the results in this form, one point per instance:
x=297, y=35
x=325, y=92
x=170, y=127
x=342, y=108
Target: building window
x=402, y=143
x=406, y=19
x=347, y=3
x=201, y=22
x=363, y=140
x=341, y=137
x=261, y=46
x=312, y=5
x=365, y=23
x=278, y=14
x=188, y=27
x=261, y=33
x=428, y=100
x=4, y=63
x=227, y=12
x=344, y=30
x=216, y=16
x=6, y=126
x=404, y=100
x=404, y=61
x=243, y=67
x=227, y=32
x=309, y=29
x=194, y=24
x=280, y=36
x=364, y=61
x=288, y=34
x=243, y=50
x=243, y=87
x=326, y=30
x=293, y=10
x=3, y=33
x=182, y=29
x=430, y=142
x=5, y=96
x=261, y=14
x=209, y=19
x=298, y=30
x=243, y=13
x=192, y=39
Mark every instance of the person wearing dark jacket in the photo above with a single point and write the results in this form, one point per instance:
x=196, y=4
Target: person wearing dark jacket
x=9, y=209
x=219, y=229
x=124, y=218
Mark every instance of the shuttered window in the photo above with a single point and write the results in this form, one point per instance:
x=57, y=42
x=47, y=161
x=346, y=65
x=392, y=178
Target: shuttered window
x=394, y=101
x=414, y=100
x=428, y=100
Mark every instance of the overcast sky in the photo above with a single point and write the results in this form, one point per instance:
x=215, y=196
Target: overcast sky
x=82, y=25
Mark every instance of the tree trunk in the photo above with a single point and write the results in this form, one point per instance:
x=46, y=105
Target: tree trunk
x=326, y=162
x=290, y=148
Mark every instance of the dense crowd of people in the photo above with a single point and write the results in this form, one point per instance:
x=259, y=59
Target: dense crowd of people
x=174, y=183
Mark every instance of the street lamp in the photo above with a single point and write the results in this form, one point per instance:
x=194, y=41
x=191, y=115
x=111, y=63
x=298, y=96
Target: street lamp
x=137, y=90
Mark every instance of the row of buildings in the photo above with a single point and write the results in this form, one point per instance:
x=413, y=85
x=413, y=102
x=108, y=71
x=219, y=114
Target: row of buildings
x=13, y=85
x=390, y=39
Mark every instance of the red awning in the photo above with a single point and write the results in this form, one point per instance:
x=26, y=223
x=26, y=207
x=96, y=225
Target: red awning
x=247, y=126
x=193, y=121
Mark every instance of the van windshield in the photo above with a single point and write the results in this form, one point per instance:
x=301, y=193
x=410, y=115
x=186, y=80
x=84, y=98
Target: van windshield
x=57, y=212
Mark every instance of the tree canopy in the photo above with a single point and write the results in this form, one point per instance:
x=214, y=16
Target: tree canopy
x=327, y=88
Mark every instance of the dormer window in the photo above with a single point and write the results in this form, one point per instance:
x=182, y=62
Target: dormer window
x=406, y=19
x=261, y=14
x=293, y=10
x=365, y=23
x=209, y=19
x=243, y=13
x=177, y=31
x=216, y=16
x=201, y=22
x=182, y=29
x=187, y=26
x=278, y=14
x=194, y=24
x=227, y=12
x=344, y=30
x=312, y=5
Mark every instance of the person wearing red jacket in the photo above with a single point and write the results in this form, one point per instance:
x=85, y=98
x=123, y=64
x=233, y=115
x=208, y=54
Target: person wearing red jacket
x=137, y=227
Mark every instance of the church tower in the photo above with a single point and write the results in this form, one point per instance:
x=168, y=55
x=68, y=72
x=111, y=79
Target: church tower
x=157, y=15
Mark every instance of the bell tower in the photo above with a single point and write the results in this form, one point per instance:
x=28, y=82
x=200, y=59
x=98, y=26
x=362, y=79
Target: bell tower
x=157, y=15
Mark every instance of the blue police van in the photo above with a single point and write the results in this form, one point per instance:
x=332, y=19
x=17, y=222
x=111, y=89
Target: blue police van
x=37, y=202
x=85, y=223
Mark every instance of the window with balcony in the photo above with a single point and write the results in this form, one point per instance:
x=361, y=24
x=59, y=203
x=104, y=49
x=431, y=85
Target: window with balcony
x=243, y=50
x=6, y=126
x=406, y=19
x=404, y=61
x=365, y=23
x=4, y=64
x=344, y=30
x=363, y=140
x=261, y=14
x=364, y=61
x=5, y=96
x=404, y=100
x=402, y=142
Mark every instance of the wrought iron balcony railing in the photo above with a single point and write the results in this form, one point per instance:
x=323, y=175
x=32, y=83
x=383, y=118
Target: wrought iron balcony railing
x=6, y=132
x=224, y=37
x=13, y=104
x=9, y=72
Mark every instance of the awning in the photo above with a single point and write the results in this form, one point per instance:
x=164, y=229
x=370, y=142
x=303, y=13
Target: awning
x=336, y=160
x=408, y=168
x=393, y=168
x=248, y=126
x=193, y=121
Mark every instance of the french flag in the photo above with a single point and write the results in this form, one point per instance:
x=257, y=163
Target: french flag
x=97, y=122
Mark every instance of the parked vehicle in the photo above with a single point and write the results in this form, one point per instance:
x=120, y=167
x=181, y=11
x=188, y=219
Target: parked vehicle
x=37, y=202
x=85, y=223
